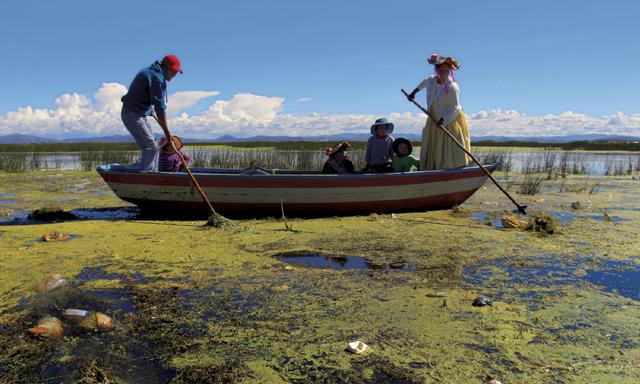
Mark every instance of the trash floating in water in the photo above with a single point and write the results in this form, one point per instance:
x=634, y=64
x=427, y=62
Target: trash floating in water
x=76, y=315
x=339, y=262
x=357, y=347
x=515, y=222
x=496, y=220
x=49, y=327
x=608, y=218
x=51, y=214
x=54, y=236
x=52, y=282
x=482, y=301
x=96, y=320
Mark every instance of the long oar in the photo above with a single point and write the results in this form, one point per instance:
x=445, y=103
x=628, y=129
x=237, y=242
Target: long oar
x=521, y=208
x=186, y=166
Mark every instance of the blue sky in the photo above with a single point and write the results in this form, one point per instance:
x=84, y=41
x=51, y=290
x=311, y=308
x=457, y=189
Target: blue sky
x=342, y=57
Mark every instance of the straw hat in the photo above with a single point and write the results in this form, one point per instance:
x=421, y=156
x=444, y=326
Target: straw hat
x=436, y=59
x=176, y=141
x=340, y=147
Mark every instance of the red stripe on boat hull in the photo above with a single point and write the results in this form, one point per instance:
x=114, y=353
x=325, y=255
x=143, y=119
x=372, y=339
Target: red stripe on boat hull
x=288, y=181
x=192, y=208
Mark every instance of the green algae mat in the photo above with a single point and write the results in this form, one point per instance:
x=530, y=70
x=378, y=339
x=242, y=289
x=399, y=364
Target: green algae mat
x=263, y=303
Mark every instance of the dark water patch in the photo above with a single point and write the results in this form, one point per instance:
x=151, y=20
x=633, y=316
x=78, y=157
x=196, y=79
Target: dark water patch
x=103, y=358
x=340, y=263
x=611, y=218
x=49, y=214
x=488, y=219
x=99, y=273
x=81, y=214
x=539, y=275
x=117, y=213
x=576, y=326
x=563, y=217
x=621, y=278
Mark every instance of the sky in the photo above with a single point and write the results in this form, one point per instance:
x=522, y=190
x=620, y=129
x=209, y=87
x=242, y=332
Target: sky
x=297, y=67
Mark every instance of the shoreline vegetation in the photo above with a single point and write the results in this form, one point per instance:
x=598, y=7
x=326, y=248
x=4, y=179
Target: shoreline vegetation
x=311, y=146
x=549, y=160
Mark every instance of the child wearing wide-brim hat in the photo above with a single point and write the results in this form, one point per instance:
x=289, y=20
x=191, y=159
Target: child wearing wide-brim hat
x=338, y=161
x=403, y=161
x=169, y=160
x=379, y=147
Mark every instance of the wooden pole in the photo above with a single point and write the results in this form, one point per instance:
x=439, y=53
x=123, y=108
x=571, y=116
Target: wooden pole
x=186, y=166
x=521, y=208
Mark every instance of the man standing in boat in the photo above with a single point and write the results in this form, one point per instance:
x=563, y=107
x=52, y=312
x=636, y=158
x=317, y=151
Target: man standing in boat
x=148, y=92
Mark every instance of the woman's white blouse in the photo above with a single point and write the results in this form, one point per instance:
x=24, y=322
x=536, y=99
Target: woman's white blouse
x=446, y=105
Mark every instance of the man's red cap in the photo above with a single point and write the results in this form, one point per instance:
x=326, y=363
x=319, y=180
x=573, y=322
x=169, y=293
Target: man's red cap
x=172, y=62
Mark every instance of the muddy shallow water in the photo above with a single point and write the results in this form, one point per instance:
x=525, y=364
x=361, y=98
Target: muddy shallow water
x=259, y=303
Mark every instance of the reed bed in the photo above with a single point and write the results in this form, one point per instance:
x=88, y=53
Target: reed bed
x=67, y=147
x=264, y=158
x=91, y=160
x=305, y=155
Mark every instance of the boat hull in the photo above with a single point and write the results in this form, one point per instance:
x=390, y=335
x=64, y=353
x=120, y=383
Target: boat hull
x=254, y=194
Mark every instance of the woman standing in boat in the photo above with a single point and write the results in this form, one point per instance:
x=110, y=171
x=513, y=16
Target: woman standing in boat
x=438, y=151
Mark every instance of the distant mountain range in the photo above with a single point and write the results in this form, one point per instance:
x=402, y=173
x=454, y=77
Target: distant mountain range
x=30, y=139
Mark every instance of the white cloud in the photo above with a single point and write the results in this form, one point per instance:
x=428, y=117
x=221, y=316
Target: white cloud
x=304, y=99
x=182, y=100
x=245, y=114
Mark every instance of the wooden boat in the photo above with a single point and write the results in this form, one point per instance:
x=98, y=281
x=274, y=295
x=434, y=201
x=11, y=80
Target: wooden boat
x=257, y=192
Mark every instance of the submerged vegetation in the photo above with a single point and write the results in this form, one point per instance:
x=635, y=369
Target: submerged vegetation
x=230, y=304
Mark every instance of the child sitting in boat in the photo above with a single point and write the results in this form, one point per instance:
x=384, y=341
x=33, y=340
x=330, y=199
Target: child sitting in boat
x=403, y=161
x=338, y=161
x=379, y=147
x=169, y=160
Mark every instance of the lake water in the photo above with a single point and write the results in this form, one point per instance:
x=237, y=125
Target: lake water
x=571, y=162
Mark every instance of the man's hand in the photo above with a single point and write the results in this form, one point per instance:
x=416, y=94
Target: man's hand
x=441, y=121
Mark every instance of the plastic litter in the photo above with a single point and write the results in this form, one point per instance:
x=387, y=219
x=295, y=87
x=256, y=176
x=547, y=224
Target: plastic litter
x=482, y=301
x=515, y=222
x=54, y=281
x=49, y=327
x=54, y=236
x=357, y=347
x=96, y=320
x=76, y=315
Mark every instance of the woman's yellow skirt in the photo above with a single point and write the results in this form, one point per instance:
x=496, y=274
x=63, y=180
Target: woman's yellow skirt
x=438, y=151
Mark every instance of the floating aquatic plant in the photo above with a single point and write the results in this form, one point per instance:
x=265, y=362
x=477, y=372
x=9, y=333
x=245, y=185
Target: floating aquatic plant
x=216, y=220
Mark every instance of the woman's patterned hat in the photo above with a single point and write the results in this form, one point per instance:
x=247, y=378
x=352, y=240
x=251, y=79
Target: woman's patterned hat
x=436, y=59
